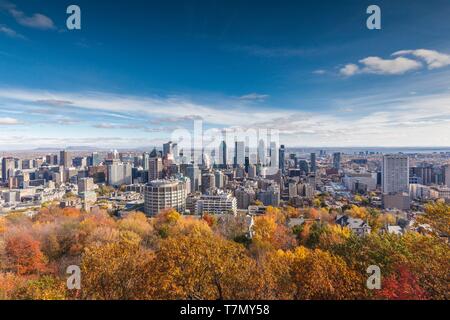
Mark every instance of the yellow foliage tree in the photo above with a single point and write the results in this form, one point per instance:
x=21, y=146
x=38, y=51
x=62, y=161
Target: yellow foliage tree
x=203, y=267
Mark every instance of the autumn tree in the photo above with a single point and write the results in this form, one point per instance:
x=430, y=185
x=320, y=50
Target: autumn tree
x=117, y=270
x=270, y=232
x=203, y=267
x=318, y=275
x=9, y=283
x=24, y=254
x=437, y=216
x=401, y=285
x=43, y=288
x=137, y=223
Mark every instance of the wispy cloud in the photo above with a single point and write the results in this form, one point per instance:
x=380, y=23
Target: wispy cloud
x=365, y=120
x=254, y=97
x=10, y=32
x=319, y=71
x=35, y=20
x=269, y=52
x=53, y=102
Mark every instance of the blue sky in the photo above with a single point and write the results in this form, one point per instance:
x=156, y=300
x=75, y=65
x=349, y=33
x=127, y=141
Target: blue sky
x=140, y=69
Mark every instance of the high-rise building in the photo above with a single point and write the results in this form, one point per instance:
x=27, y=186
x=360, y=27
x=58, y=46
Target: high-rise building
x=446, y=171
x=8, y=167
x=337, y=160
x=423, y=172
x=219, y=179
x=313, y=162
x=245, y=197
x=395, y=173
x=155, y=168
x=208, y=182
x=85, y=185
x=239, y=153
x=167, y=148
x=194, y=174
x=282, y=156
x=261, y=152
x=119, y=173
x=79, y=162
x=273, y=155
x=252, y=171
x=222, y=161
x=65, y=159
x=145, y=160
x=96, y=159
x=164, y=194
x=270, y=196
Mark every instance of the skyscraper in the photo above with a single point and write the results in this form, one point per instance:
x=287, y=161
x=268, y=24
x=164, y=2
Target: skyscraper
x=337, y=160
x=282, y=155
x=239, y=153
x=65, y=159
x=395, y=173
x=119, y=173
x=167, y=148
x=208, y=182
x=155, y=168
x=95, y=159
x=8, y=167
x=313, y=162
x=223, y=154
x=273, y=155
x=261, y=152
x=194, y=174
x=447, y=175
x=145, y=160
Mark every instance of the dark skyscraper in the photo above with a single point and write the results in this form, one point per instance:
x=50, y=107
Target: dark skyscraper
x=337, y=160
x=223, y=154
x=313, y=162
x=281, y=159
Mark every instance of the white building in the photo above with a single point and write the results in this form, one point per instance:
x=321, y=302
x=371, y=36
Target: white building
x=395, y=173
x=164, y=194
x=351, y=180
x=222, y=203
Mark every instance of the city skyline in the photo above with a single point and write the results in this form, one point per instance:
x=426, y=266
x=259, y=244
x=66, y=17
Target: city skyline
x=314, y=72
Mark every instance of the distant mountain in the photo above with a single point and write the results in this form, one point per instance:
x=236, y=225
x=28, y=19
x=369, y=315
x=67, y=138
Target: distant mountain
x=71, y=148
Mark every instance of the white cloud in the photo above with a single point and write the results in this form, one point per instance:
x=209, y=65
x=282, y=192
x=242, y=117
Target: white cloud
x=349, y=70
x=434, y=59
x=398, y=65
x=9, y=121
x=222, y=113
x=366, y=120
x=36, y=20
